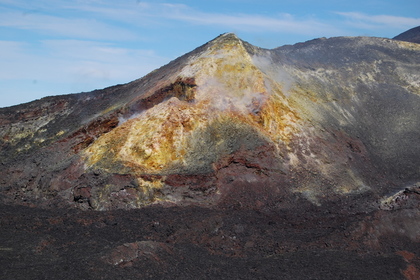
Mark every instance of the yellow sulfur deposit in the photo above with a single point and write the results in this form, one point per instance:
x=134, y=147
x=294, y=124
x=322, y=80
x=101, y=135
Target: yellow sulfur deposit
x=230, y=89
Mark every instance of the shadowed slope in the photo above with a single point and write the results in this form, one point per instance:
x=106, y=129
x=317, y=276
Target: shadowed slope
x=412, y=35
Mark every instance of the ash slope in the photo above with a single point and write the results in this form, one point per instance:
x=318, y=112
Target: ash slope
x=229, y=124
x=284, y=163
x=412, y=35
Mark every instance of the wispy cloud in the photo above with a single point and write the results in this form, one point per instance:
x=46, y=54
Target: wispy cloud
x=65, y=66
x=90, y=19
x=372, y=22
x=66, y=59
x=104, y=20
x=255, y=23
x=87, y=44
x=99, y=60
x=165, y=14
x=71, y=27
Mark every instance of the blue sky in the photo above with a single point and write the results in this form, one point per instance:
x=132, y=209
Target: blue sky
x=50, y=47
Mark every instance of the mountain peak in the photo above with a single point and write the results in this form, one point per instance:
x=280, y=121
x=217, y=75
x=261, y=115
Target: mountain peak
x=227, y=37
x=275, y=157
x=226, y=119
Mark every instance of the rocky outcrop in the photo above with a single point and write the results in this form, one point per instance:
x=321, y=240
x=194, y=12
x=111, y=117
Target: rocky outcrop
x=228, y=123
x=231, y=161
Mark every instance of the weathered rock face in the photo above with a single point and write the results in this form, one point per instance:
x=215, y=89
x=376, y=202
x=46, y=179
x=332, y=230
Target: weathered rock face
x=253, y=163
x=228, y=124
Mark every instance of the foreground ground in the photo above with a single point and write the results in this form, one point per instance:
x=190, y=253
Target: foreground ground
x=196, y=243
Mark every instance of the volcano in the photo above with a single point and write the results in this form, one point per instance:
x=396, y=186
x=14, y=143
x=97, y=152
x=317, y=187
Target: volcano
x=230, y=161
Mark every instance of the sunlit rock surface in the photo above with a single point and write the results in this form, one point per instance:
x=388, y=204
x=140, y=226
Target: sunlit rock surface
x=298, y=161
x=227, y=122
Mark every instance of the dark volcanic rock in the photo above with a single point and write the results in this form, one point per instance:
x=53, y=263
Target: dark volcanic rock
x=201, y=243
x=319, y=120
x=229, y=162
x=412, y=35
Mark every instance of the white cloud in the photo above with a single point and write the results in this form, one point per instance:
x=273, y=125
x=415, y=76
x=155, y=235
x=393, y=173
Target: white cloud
x=82, y=44
x=65, y=66
x=284, y=22
x=372, y=22
x=255, y=23
x=70, y=27
x=60, y=59
x=146, y=13
x=153, y=15
x=103, y=60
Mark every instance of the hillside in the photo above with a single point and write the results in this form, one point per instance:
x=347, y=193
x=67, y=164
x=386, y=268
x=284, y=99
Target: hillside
x=412, y=35
x=248, y=157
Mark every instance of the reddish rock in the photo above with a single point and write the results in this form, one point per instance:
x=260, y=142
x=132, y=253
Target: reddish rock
x=229, y=162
